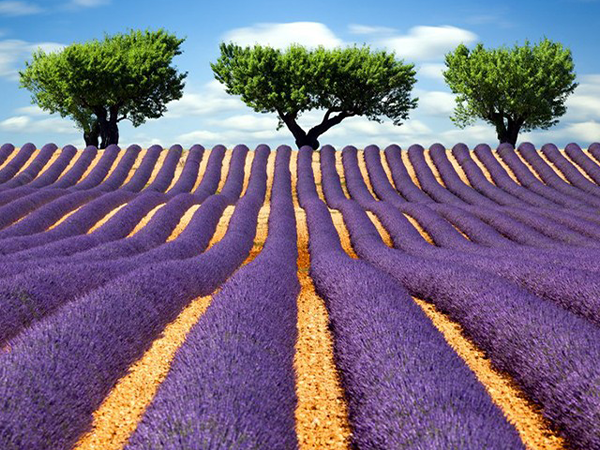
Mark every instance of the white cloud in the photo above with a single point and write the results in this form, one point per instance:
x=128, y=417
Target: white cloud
x=282, y=35
x=311, y=118
x=13, y=53
x=366, y=29
x=247, y=122
x=32, y=119
x=18, y=8
x=436, y=103
x=428, y=43
x=363, y=126
x=473, y=134
x=198, y=137
x=142, y=140
x=210, y=99
x=16, y=123
x=587, y=131
x=583, y=133
x=26, y=124
x=238, y=128
x=273, y=134
x=55, y=125
x=584, y=106
x=432, y=70
x=590, y=82
x=32, y=110
x=10, y=53
x=584, y=103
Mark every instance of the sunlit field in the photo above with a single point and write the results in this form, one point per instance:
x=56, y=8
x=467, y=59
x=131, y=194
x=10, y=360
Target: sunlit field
x=275, y=298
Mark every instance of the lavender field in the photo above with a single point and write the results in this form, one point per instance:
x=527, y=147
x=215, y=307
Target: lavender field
x=275, y=298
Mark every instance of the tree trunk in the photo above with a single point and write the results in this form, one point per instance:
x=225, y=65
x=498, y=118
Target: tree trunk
x=109, y=130
x=92, y=135
x=112, y=134
x=306, y=140
x=509, y=134
x=299, y=134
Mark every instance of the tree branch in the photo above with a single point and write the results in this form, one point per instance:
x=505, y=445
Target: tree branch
x=290, y=121
x=327, y=115
x=328, y=122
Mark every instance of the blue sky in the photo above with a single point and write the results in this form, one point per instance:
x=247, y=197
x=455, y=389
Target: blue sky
x=420, y=32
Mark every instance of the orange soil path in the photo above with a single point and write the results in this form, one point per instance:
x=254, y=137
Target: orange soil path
x=201, y=168
x=433, y=167
x=106, y=218
x=225, y=169
x=458, y=168
x=144, y=220
x=92, y=165
x=321, y=411
x=409, y=168
x=24, y=166
x=505, y=166
x=365, y=173
x=556, y=170
x=63, y=218
x=483, y=168
x=185, y=219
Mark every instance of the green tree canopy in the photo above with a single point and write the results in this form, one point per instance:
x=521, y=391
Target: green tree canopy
x=514, y=89
x=99, y=83
x=343, y=82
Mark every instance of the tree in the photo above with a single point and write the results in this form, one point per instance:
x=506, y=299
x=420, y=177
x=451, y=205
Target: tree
x=514, y=89
x=343, y=82
x=99, y=83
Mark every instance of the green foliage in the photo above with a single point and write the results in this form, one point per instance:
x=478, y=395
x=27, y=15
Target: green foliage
x=524, y=87
x=348, y=81
x=123, y=76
